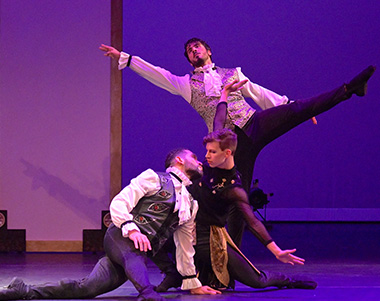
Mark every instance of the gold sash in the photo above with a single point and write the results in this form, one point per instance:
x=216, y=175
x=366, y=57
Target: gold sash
x=219, y=257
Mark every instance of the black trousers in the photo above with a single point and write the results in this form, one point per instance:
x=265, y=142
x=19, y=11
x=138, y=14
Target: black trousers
x=264, y=127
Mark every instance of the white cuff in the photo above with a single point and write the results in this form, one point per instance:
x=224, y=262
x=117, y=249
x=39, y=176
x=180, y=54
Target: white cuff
x=129, y=227
x=191, y=283
x=123, y=60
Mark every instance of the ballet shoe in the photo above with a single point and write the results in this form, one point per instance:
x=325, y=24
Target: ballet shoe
x=301, y=283
x=358, y=85
x=170, y=280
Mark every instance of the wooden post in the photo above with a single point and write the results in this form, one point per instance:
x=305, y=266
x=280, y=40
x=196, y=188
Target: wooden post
x=116, y=99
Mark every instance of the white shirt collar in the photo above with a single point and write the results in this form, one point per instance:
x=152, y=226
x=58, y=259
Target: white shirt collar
x=212, y=80
x=208, y=67
x=185, y=180
x=183, y=203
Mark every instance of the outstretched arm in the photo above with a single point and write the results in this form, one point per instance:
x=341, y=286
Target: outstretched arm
x=257, y=228
x=178, y=85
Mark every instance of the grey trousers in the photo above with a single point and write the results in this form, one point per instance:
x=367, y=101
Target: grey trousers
x=121, y=263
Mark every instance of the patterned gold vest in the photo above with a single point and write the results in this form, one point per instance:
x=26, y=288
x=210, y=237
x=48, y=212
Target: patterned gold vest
x=239, y=111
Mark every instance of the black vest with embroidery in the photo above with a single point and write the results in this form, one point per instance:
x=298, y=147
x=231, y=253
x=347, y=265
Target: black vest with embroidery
x=154, y=214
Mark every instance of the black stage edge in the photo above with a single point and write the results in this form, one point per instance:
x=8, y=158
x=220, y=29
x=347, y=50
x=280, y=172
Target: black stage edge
x=93, y=239
x=10, y=240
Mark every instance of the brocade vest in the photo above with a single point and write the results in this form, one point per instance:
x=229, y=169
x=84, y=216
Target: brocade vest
x=154, y=214
x=238, y=110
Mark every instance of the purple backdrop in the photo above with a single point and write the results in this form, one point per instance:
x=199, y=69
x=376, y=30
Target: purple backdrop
x=54, y=116
x=296, y=48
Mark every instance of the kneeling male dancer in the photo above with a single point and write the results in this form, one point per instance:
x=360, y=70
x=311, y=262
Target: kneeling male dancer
x=151, y=209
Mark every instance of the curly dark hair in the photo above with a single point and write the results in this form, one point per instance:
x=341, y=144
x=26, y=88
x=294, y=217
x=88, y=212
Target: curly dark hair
x=172, y=154
x=194, y=40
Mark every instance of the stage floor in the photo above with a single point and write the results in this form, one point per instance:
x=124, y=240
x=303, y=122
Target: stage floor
x=359, y=280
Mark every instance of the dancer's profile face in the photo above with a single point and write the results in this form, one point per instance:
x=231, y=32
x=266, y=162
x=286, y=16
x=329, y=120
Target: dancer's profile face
x=215, y=156
x=192, y=167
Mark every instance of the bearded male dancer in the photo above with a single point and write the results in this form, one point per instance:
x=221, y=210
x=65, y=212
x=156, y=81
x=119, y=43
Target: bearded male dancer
x=151, y=209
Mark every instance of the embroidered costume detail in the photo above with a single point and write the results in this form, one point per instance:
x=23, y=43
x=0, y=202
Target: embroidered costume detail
x=164, y=194
x=153, y=213
x=158, y=207
x=239, y=111
x=142, y=220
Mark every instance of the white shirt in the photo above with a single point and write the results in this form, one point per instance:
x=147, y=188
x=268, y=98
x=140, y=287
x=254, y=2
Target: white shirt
x=180, y=85
x=147, y=184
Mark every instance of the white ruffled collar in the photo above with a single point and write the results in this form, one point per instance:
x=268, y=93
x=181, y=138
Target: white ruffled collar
x=205, y=68
x=185, y=180
x=183, y=198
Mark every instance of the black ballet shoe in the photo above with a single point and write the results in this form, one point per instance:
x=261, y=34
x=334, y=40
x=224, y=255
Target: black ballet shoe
x=302, y=283
x=16, y=290
x=358, y=85
x=170, y=280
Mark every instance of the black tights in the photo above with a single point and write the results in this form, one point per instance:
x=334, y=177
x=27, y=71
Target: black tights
x=238, y=268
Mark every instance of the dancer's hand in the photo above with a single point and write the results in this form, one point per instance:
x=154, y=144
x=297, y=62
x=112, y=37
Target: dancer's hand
x=204, y=290
x=232, y=87
x=286, y=256
x=140, y=240
x=110, y=51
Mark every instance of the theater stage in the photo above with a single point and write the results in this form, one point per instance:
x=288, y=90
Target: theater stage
x=355, y=279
